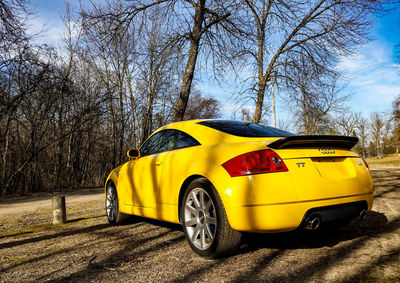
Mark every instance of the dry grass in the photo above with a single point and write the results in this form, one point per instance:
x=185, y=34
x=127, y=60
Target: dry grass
x=387, y=160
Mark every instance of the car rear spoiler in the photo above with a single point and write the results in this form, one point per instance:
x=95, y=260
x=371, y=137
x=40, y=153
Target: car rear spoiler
x=314, y=141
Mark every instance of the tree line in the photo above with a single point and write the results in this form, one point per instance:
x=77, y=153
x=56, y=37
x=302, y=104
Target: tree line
x=128, y=67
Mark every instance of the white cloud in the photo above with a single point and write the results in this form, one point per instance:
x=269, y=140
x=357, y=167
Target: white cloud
x=373, y=77
x=370, y=56
x=48, y=30
x=210, y=90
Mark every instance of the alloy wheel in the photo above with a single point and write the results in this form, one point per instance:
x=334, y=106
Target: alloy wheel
x=111, y=204
x=200, y=218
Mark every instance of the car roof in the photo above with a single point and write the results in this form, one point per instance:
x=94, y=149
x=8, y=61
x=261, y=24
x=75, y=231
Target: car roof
x=208, y=135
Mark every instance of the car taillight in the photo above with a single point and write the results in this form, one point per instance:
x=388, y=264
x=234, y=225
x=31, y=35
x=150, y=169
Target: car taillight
x=365, y=162
x=255, y=162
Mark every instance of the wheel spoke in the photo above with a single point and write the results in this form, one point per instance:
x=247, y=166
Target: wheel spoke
x=209, y=232
x=203, y=238
x=108, y=197
x=208, y=205
x=210, y=220
x=190, y=208
x=190, y=222
x=195, y=200
x=195, y=234
x=202, y=199
x=114, y=202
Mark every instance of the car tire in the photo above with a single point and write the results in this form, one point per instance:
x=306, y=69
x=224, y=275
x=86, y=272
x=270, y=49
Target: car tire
x=205, y=223
x=114, y=216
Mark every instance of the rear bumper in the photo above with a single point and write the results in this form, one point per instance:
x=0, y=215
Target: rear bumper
x=282, y=217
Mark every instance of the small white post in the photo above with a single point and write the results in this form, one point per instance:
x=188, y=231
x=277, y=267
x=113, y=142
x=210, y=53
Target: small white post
x=59, y=210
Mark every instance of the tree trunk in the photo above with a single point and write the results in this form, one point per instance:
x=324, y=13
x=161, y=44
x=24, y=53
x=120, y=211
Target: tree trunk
x=4, y=157
x=273, y=102
x=179, y=110
x=122, y=125
x=260, y=101
x=304, y=114
x=69, y=157
x=60, y=145
x=148, y=117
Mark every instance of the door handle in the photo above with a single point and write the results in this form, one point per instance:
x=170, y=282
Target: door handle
x=158, y=163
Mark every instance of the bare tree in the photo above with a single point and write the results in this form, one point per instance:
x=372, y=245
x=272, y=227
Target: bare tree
x=195, y=27
x=200, y=107
x=23, y=75
x=377, y=125
x=282, y=32
x=396, y=119
x=245, y=114
x=111, y=58
x=157, y=70
x=51, y=127
x=349, y=122
x=314, y=94
x=12, y=23
x=363, y=134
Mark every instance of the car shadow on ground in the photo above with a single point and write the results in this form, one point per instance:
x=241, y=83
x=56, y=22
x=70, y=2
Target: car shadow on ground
x=57, y=235
x=132, y=219
x=351, y=238
x=374, y=223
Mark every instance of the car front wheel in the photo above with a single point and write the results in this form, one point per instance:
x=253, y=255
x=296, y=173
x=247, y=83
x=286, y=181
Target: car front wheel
x=205, y=223
x=114, y=216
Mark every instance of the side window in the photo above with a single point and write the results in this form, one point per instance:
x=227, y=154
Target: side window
x=185, y=140
x=167, y=140
x=152, y=145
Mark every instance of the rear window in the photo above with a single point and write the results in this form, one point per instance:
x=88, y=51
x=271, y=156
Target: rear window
x=245, y=129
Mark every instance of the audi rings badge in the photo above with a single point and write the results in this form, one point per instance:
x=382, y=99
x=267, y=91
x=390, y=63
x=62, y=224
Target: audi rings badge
x=327, y=151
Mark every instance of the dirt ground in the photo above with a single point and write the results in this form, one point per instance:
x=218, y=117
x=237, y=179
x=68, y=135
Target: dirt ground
x=32, y=203
x=87, y=249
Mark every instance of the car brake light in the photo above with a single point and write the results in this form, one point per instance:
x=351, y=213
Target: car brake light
x=255, y=162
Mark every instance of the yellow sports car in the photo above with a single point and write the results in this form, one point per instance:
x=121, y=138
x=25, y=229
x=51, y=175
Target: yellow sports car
x=219, y=178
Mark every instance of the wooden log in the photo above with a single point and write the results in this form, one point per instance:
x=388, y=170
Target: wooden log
x=59, y=210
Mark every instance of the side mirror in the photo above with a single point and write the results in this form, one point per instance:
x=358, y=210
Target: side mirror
x=133, y=153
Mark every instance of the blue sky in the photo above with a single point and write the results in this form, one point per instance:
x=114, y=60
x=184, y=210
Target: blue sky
x=47, y=18
x=373, y=73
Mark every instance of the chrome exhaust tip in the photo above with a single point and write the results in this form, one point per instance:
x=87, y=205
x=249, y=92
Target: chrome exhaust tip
x=363, y=214
x=312, y=223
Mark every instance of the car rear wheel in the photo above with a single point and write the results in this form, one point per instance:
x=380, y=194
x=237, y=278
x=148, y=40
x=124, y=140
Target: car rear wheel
x=205, y=223
x=114, y=216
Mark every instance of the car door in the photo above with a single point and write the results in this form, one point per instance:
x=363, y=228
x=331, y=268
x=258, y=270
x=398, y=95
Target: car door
x=147, y=170
x=175, y=164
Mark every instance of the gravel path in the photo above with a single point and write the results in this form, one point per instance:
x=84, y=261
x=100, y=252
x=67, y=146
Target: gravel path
x=22, y=205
